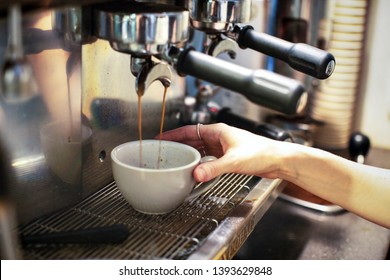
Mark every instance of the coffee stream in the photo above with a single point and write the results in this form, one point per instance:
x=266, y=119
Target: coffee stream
x=161, y=126
x=140, y=126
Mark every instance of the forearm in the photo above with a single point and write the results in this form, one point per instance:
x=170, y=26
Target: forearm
x=361, y=189
x=358, y=188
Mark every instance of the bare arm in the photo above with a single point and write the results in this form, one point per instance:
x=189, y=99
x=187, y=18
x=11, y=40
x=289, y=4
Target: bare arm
x=364, y=190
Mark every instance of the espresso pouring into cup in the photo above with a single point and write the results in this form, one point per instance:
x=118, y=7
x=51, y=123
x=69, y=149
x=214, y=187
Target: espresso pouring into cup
x=157, y=187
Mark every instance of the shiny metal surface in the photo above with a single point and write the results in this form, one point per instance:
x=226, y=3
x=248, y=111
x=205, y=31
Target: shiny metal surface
x=149, y=74
x=141, y=28
x=225, y=241
x=218, y=46
x=110, y=107
x=217, y=15
x=58, y=142
x=17, y=78
x=95, y=117
x=181, y=234
x=330, y=208
x=67, y=22
x=36, y=188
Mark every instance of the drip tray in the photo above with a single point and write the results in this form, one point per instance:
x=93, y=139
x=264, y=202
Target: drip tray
x=176, y=235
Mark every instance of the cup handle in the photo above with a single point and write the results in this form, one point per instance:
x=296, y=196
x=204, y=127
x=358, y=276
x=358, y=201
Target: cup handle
x=205, y=186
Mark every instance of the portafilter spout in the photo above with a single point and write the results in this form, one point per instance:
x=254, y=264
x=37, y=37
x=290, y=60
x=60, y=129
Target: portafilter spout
x=150, y=72
x=145, y=31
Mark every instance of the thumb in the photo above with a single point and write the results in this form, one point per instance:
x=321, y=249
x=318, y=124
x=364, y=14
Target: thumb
x=211, y=169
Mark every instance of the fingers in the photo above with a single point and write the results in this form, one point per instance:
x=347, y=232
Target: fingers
x=191, y=136
x=205, y=138
x=209, y=170
x=182, y=134
x=210, y=132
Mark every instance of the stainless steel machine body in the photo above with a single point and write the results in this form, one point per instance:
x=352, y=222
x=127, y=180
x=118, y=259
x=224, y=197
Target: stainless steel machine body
x=90, y=63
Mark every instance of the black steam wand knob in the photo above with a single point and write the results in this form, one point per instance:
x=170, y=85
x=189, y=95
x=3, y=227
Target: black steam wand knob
x=359, y=145
x=302, y=57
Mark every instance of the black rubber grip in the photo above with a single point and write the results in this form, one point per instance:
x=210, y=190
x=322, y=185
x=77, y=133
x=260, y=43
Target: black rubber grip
x=100, y=235
x=262, y=87
x=302, y=57
x=225, y=115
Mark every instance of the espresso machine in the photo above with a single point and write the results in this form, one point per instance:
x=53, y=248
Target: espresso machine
x=72, y=78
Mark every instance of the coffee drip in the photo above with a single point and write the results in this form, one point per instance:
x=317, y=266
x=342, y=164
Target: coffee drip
x=161, y=125
x=159, y=159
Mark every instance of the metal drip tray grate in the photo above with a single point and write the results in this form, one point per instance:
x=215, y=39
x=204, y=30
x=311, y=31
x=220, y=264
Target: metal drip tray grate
x=172, y=236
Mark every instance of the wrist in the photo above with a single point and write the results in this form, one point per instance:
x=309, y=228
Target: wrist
x=289, y=159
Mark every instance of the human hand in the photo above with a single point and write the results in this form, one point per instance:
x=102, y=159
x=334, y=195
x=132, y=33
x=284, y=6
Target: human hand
x=322, y=173
x=237, y=150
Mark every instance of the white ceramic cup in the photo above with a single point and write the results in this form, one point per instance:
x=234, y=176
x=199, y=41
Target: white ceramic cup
x=157, y=185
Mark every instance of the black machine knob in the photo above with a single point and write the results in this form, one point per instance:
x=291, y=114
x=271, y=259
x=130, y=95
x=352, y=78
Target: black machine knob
x=359, y=145
x=302, y=57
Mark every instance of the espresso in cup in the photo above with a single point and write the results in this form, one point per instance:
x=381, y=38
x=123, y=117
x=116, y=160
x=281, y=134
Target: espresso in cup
x=161, y=179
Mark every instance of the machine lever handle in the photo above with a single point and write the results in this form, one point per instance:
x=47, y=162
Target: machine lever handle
x=273, y=132
x=260, y=86
x=226, y=116
x=302, y=57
